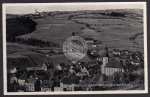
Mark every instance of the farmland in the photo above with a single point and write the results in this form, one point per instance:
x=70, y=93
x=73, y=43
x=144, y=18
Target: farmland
x=114, y=32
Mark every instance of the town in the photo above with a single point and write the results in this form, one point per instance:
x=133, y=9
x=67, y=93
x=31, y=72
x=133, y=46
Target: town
x=107, y=67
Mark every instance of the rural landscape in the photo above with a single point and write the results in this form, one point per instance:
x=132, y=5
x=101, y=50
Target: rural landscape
x=114, y=60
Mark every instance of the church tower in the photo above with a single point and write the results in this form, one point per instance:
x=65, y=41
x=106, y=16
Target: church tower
x=105, y=60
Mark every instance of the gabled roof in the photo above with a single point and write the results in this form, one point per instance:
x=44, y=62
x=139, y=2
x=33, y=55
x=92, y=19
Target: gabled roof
x=23, y=77
x=62, y=65
x=115, y=64
x=69, y=80
x=47, y=84
x=34, y=68
x=31, y=80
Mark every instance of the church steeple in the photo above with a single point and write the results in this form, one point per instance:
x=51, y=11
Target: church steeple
x=105, y=60
x=105, y=54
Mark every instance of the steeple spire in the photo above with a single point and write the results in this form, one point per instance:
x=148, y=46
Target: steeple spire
x=106, y=52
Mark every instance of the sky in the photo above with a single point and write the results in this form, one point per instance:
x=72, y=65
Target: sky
x=30, y=7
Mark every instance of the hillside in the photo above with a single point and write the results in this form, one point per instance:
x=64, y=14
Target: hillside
x=124, y=32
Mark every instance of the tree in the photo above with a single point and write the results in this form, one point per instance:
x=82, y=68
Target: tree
x=124, y=77
x=116, y=78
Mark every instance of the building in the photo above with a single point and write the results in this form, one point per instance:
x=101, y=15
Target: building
x=105, y=61
x=58, y=89
x=47, y=86
x=68, y=83
x=110, y=67
x=61, y=66
x=84, y=70
x=135, y=62
x=89, y=40
x=39, y=67
x=32, y=84
x=22, y=79
x=13, y=78
x=116, y=52
x=13, y=70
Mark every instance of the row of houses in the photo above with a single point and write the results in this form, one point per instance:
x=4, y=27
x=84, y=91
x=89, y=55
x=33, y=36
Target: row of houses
x=67, y=77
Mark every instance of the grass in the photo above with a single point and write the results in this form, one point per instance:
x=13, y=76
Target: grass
x=113, y=33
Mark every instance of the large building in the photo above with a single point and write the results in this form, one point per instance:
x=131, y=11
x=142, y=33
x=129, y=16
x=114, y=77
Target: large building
x=110, y=67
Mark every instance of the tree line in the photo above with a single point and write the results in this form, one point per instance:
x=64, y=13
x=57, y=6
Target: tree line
x=36, y=42
x=116, y=14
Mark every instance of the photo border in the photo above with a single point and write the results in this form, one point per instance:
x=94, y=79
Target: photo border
x=75, y=92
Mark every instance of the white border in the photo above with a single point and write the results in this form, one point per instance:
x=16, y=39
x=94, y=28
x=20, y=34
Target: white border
x=74, y=92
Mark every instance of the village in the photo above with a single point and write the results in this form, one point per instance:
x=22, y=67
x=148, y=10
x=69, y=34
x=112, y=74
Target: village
x=114, y=59
x=108, y=70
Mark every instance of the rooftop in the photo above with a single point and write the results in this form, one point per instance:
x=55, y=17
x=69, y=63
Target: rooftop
x=115, y=64
x=23, y=77
x=69, y=80
x=31, y=80
x=47, y=84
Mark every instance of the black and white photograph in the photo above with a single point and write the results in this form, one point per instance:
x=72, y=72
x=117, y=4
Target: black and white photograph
x=75, y=48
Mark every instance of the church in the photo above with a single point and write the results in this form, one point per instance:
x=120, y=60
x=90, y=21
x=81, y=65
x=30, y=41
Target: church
x=110, y=67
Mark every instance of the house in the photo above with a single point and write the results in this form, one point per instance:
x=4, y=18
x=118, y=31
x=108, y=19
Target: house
x=13, y=70
x=32, y=84
x=84, y=70
x=96, y=69
x=13, y=78
x=126, y=51
x=68, y=83
x=61, y=66
x=47, y=86
x=22, y=79
x=135, y=62
x=94, y=45
x=71, y=70
x=39, y=67
x=81, y=74
x=58, y=89
x=89, y=40
x=116, y=52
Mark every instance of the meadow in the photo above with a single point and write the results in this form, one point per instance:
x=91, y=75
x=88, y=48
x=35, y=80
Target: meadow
x=113, y=32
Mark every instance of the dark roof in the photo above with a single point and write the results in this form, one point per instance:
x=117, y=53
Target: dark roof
x=69, y=80
x=88, y=38
x=96, y=67
x=34, y=68
x=62, y=65
x=136, y=61
x=116, y=50
x=77, y=70
x=31, y=80
x=114, y=64
x=47, y=84
x=23, y=77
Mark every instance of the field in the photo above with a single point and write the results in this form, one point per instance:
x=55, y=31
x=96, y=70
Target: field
x=113, y=32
